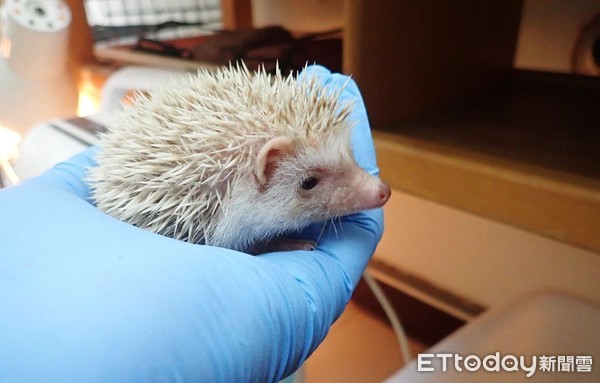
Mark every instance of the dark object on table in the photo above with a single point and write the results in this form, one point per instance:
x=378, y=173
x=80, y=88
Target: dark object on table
x=228, y=46
x=268, y=47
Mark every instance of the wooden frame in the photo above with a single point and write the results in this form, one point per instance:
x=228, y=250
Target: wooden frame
x=236, y=14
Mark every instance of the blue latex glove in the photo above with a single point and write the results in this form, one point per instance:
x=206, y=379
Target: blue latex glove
x=87, y=298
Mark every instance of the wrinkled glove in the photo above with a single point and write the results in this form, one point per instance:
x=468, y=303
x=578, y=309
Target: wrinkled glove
x=85, y=297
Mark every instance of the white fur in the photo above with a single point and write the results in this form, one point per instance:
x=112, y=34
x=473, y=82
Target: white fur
x=180, y=161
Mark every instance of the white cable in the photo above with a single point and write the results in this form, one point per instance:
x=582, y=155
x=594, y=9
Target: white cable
x=391, y=315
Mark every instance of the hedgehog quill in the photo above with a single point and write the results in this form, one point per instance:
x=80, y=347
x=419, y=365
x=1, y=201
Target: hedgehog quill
x=233, y=159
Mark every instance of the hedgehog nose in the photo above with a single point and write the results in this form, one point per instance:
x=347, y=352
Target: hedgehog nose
x=370, y=193
x=384, y=193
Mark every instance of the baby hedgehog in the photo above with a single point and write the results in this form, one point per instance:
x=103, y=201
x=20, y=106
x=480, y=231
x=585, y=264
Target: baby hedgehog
x=234, y=159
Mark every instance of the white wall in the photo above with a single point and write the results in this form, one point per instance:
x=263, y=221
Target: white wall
x=549, y=29
x=299, y=16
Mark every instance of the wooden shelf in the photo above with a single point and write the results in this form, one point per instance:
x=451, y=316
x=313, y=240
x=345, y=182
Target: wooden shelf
x=525, y=154
x=542, y=119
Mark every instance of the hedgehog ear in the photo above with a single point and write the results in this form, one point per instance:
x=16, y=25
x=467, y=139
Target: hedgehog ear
x=266, y=161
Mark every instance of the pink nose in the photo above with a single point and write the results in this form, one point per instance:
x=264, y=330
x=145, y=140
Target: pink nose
x=370, y=193
x=384, y=193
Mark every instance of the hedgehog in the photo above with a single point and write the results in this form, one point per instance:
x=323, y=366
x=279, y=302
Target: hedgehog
x=233, y=158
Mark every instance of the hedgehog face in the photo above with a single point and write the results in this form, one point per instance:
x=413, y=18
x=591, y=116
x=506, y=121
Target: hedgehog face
x=315, y=181
x=334, y=185
x=325, y=192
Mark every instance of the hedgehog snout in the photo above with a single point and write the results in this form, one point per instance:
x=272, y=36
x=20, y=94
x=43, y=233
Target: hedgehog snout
x=370, y=192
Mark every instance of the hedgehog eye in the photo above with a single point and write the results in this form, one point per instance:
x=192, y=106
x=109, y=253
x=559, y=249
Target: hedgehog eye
x=309, y=183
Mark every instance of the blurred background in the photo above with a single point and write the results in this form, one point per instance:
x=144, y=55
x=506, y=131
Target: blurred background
x=486, y=119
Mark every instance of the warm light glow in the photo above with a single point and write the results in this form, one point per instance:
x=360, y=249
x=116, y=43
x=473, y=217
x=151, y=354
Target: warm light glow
x=5, y=45
x=9, y=149
x=9, y=143
x=87, y=104
x=88, y=99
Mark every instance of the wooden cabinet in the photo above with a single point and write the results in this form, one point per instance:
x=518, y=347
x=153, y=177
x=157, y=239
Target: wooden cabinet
x=455, y=123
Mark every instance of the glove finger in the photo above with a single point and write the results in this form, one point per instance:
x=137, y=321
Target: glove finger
x=351, y=240
x=343, y=250
x=362, y=141
x=328, y=275
x=317, y=71
x=70, y=175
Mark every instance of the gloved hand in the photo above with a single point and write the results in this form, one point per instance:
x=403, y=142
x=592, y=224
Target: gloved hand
x=87, y=298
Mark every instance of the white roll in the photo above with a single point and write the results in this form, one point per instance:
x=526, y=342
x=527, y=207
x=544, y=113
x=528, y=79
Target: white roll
x=35, y=37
